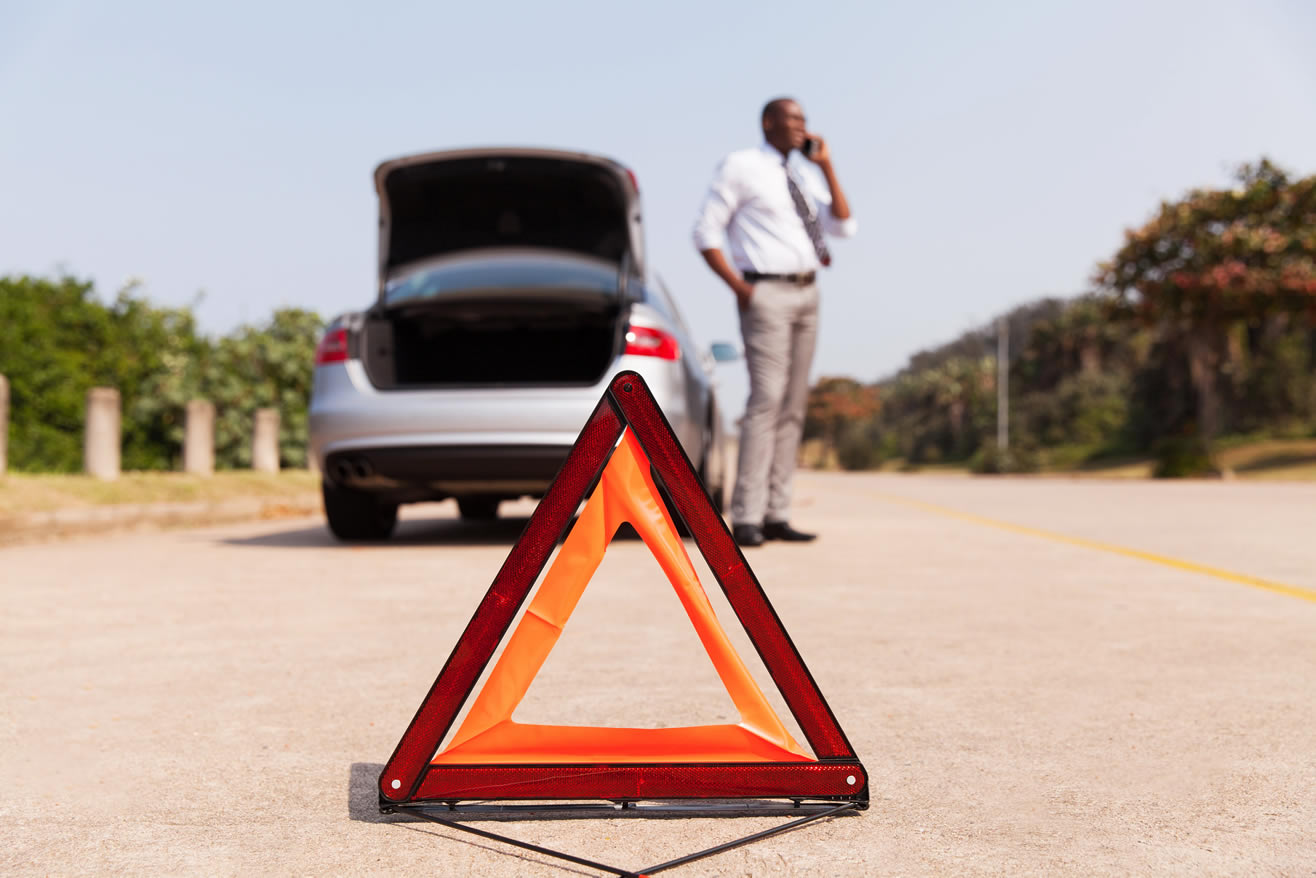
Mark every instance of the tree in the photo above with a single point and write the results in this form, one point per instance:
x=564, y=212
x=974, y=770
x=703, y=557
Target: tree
x=834, y=402
x=54, y=339
x=258, y=367
x=158, y=370
x=57, y=341
x=1217, y=258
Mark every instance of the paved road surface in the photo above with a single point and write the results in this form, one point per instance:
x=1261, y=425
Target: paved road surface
x=1042, y=677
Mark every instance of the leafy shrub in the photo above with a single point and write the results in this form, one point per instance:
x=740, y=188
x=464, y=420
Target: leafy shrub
x=859, y=446
x=57, y=341
x=1182, y=457
x=263, y=367
x=1081, y=410
x=992, y=460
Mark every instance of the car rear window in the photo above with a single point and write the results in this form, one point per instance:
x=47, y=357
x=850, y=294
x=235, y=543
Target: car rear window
x=490, y=274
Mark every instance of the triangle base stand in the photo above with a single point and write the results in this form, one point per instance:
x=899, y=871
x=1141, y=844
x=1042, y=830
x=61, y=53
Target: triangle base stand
x=449, y=817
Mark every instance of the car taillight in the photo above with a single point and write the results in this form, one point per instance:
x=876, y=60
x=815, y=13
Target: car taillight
x=332, y=348
x=645, y=342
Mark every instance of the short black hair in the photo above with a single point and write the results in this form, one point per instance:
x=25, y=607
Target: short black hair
x=772, y=107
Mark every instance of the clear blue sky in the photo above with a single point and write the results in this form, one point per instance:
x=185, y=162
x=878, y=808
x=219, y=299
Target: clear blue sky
x=992, y=157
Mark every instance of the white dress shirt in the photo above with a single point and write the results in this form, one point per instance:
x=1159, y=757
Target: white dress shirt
x=749, y=207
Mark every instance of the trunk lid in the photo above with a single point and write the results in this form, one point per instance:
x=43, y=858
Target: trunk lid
x=440, y=204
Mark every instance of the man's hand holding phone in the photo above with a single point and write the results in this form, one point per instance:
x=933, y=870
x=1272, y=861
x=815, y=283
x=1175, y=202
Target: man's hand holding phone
x=815, y=149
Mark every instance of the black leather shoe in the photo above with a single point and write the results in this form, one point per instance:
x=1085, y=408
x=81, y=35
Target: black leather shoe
x=780, y=530
x=747, y=534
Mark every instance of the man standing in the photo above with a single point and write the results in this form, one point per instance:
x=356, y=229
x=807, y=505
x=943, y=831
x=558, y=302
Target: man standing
x=772, y=218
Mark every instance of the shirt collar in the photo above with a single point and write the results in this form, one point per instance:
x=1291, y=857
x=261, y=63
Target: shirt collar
x=770, y=150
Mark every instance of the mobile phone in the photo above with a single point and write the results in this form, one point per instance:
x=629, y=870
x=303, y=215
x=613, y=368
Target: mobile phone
x=810, y=147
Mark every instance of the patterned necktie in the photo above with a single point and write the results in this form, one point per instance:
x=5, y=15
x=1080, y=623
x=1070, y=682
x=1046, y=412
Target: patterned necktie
x=810, y=221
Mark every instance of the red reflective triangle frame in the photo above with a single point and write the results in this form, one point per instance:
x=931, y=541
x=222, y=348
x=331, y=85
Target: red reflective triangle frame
x=410, y=777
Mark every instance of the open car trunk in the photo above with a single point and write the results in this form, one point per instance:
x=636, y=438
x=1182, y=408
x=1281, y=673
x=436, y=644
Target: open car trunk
x=501, y=266
x=528, y=341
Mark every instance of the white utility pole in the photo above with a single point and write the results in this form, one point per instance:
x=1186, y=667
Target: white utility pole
x=1002, y=384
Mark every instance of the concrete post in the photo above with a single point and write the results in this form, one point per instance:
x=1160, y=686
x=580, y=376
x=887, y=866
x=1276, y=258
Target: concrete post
x=1003, y=384
x=265, y=441
x=100, y=440
x=4, y=425
x=199, y=438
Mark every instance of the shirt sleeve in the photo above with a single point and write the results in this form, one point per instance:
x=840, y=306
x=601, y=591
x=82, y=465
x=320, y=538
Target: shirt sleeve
x=822, y=197
x=719, y=206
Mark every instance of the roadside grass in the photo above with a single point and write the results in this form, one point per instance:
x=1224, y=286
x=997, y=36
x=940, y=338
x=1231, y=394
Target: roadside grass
x=1272, y=459
x=22, y=493
x=1241, y=457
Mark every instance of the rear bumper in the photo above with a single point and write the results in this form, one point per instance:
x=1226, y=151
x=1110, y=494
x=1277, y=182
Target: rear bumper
x=412, y=446
x=448, y=470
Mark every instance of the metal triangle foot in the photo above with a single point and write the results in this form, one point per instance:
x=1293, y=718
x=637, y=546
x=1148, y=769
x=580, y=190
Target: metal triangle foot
x=830, y=810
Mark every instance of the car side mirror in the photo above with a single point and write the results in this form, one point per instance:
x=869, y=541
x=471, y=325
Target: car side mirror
x=724, y=352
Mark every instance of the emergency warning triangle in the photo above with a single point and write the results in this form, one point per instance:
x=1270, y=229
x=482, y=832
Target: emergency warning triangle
x=625, y=494
x=625, y=443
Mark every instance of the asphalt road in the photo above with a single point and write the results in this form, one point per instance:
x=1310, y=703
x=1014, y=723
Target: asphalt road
x=1041, y=677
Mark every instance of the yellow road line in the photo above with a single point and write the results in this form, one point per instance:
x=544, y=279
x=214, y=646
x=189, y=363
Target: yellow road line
x=1293, y=591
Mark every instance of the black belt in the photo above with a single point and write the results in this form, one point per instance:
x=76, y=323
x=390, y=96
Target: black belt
x=803, y=278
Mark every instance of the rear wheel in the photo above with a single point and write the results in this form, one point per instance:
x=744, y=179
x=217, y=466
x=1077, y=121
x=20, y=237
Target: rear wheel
x=356, y=515
x=714, y=472
x=478, y=507
x=682, y=530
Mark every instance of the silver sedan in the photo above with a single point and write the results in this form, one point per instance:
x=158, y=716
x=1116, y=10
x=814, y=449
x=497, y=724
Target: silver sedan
x=512, y=287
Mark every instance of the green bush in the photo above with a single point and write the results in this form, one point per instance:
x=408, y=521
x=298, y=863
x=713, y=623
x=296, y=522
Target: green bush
x=57, y=342
x=1278, y=392
x=263, y=367
x=1182, y=457
x=992, y=460
x=1081, y=410
x=859, y=446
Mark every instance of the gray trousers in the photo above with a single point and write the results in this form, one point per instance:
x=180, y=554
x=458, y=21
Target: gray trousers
x=780, y=329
